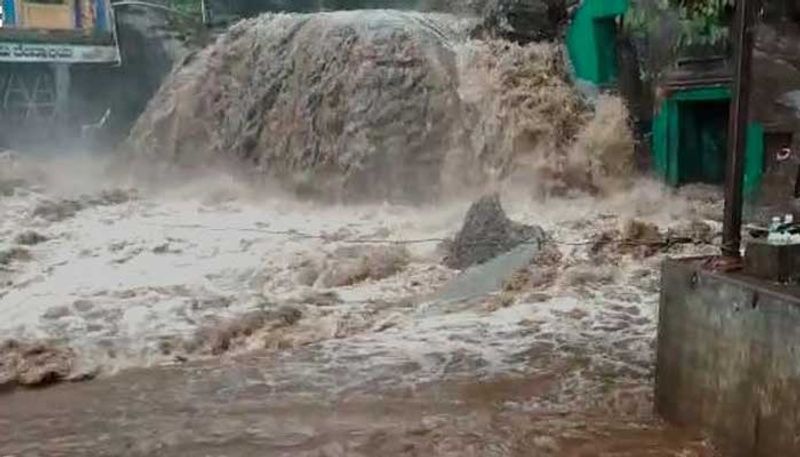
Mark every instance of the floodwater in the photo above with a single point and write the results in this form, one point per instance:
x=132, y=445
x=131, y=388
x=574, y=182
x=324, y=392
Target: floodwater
x=243, y=408
x=560, y=367
x=563, y=369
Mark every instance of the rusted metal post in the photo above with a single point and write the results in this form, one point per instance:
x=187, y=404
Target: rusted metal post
x=743, y=30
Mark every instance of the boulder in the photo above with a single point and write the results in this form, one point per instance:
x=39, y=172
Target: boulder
x=487, y=233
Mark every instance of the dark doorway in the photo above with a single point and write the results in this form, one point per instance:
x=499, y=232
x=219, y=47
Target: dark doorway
x=703, y=141
x=606, y=36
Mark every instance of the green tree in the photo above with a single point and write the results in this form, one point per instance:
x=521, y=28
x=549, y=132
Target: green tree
x=671, y=28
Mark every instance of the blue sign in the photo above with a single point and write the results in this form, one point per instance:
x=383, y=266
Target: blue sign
x=9, y=13
x=101, y=15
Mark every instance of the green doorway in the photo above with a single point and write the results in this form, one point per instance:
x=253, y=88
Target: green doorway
x=690, y=138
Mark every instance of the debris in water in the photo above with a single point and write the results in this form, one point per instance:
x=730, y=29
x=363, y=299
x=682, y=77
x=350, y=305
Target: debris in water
x=499, y=301
x=584, y=274
x=288, y=315
x=228, y=334
x=54, y=211
x=320, y=299
x=30, y=238
x=354, y=264
x=59, y=210
x=56, y=312
x=642, y=239
x=540, y=274
x=307, y=273
x=518, y=282
x=542, y=277
x=699, y=231
x=15, y=254
x=33, y=364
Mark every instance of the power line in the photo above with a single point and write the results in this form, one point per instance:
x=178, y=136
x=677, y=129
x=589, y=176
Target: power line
x=667, y=242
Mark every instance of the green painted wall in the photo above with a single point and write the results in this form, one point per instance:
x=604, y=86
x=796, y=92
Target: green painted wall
x=754, y=160
x=591, y=40
x=681, y=138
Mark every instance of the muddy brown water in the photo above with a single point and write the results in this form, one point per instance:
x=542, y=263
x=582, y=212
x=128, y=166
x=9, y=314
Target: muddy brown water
x=240, y=407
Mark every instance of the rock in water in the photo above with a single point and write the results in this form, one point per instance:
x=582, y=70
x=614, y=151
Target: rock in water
x=487, y=233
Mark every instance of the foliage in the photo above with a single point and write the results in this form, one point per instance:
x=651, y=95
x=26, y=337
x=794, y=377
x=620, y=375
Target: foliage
x=699, y=22
x=188, y=25
x=704, y=22
x=670, y=28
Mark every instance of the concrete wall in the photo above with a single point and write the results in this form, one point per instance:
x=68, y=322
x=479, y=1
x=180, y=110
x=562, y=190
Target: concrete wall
x=592, y=30
x=729, y=360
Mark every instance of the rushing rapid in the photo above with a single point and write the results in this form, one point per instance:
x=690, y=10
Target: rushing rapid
x=380, y=105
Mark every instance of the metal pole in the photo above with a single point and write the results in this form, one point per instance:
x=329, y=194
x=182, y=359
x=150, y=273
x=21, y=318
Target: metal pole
x=737, y=130
x=62, y=85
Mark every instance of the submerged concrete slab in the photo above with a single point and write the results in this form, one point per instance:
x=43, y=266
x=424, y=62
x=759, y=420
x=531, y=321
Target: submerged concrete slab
x=481, y=280
x=729, y=359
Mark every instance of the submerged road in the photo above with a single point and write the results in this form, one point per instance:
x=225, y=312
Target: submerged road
x=560, y=368
x=264, y=406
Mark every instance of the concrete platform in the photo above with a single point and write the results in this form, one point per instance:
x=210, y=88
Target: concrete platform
x=729, y=359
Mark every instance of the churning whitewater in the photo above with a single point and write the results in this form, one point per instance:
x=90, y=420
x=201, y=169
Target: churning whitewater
x=380, y=105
